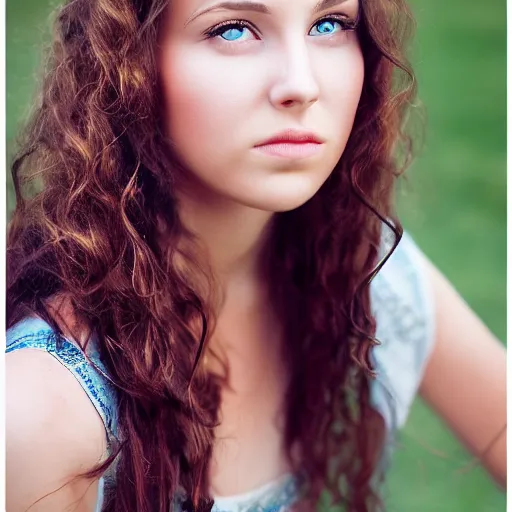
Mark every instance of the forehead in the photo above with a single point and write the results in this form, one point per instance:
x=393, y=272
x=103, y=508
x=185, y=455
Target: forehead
x=193, y=8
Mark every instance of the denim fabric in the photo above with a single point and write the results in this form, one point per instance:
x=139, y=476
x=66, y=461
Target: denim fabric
x=403, y=307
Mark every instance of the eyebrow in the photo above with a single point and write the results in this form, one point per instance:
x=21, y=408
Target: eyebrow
x=249, y=5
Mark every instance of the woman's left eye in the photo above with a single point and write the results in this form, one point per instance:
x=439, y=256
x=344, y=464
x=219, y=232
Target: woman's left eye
x=231, y=31
x=327, y=26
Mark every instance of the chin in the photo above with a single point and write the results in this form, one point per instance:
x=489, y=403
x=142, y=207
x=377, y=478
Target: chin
x=279, y=205
x=284, y=198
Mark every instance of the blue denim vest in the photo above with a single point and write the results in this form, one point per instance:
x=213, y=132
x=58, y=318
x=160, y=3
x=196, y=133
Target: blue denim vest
x=402, y=303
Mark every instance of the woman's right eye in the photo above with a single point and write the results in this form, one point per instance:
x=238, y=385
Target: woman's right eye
x=231, y=31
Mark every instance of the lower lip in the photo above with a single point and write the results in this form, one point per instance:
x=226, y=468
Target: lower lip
x=291, y=149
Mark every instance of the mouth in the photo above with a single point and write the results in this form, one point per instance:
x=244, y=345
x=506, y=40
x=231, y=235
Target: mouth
x=292, y=144
x=291, y=149
x=292, y=136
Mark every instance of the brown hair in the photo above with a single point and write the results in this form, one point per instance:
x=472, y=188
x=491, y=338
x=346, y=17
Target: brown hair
x=92, y=232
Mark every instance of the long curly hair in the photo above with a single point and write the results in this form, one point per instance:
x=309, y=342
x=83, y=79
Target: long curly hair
x=96, y=222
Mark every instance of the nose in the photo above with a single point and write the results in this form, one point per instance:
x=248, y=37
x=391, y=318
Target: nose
x=296, y=86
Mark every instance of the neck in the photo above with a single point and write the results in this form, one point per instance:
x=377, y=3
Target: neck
x=232, y=235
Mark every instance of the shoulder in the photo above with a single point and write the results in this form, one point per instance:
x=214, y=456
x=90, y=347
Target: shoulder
x=53, y=431
x=84, y=369
x=44, y=401
x=404, y=309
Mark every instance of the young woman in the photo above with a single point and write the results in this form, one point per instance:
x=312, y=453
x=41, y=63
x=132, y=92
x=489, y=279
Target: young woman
x=210, y=304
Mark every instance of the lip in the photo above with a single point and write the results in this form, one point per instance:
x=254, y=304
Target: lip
x=293, y=144
x=294, y=150
x=292, y=136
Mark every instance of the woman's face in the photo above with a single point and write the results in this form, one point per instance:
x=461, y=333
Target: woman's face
x=236, y=74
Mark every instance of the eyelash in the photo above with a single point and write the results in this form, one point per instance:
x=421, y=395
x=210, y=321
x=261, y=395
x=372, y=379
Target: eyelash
x=347, y=24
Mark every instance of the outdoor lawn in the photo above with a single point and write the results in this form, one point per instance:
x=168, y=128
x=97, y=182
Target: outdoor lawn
x=454, y=205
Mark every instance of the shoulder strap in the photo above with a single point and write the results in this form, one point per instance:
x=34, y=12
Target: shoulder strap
x=403, y=306
x=33, y=332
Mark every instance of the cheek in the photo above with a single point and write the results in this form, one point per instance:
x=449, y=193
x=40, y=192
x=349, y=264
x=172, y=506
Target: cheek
x=205, y=104
x=345, y=86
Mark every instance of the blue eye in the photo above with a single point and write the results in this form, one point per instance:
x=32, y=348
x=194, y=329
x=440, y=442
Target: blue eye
x=233, y=34
x=231, y=31
x=326, y=26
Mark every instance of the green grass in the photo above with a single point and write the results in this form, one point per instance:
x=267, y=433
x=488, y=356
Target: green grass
x=454, y=206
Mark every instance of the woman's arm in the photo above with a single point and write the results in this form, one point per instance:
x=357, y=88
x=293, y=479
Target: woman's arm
x=465, y=378
x=53, y=433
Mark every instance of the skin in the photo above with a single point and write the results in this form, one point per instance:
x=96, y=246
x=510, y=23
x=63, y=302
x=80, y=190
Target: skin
x=278, y=77
x=43, y=452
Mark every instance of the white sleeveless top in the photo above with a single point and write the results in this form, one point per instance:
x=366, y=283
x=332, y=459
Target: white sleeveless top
x=402, y=303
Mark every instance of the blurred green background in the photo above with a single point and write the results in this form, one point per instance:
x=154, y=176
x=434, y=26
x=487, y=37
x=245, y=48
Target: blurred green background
x=454, y=205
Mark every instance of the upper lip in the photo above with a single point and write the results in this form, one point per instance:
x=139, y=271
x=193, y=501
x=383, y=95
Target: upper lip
x=292, y=135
